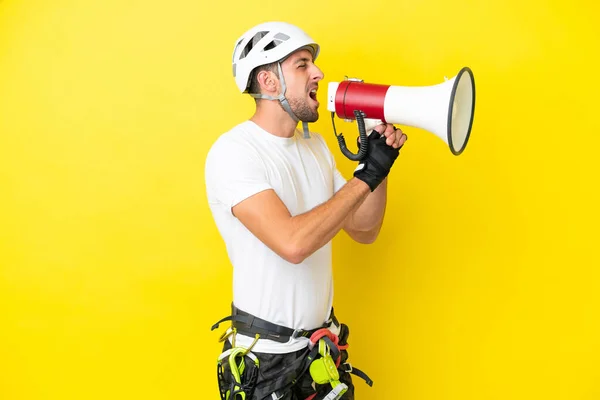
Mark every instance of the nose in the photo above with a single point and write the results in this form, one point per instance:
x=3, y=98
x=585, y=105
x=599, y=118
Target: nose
x=317, y=74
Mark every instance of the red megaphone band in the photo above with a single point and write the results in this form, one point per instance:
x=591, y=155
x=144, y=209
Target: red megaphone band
x=366, y=97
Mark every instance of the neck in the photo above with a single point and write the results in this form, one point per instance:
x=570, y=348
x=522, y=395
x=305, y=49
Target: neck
x=271, y=117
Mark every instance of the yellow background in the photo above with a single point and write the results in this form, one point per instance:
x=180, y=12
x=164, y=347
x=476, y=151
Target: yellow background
x=484, y=283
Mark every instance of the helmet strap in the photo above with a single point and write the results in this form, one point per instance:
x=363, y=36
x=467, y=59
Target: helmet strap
x=284, y=103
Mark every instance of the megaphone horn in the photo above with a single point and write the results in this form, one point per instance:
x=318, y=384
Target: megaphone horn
x=446, y=109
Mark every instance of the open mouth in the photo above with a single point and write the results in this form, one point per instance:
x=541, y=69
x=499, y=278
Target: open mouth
x=313, y=94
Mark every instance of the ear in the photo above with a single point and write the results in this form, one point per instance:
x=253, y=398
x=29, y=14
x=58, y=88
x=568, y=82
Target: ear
x=268, y=81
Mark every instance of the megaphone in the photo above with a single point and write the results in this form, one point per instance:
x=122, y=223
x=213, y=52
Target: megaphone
x=445, y=109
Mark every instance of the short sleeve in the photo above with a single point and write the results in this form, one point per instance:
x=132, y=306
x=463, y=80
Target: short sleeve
x=233, y=173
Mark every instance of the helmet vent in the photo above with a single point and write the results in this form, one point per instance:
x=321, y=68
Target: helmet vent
x=251, y=43
x=272, y=45
x=236, y=49
x=277, y=40
x=282, y=36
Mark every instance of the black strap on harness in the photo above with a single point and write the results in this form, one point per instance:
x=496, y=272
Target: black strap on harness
x=249, y=325
x=347, y=367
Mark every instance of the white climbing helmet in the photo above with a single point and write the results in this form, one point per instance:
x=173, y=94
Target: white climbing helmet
x=266, y=43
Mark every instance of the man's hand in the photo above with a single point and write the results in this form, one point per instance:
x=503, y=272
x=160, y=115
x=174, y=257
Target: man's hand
x=383, y=149
x=395, y=137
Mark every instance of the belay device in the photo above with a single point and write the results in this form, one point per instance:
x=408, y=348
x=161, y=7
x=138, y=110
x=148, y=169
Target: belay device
x=325, y=363
x=324, y=370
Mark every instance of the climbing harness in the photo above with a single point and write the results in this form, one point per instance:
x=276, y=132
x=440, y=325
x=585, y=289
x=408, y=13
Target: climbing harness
x=237, y=367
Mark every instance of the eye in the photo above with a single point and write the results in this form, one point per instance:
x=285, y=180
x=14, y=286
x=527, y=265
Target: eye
x=302, y=66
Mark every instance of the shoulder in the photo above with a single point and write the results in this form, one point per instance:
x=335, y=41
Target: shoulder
x=231, y=138
x=234, y=153
x=234, y=144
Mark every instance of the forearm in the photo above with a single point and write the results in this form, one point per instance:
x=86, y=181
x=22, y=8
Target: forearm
x=368, y=217
x=313, y=229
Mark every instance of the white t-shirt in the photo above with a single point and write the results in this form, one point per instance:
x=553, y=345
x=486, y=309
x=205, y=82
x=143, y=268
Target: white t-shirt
x=247, y=160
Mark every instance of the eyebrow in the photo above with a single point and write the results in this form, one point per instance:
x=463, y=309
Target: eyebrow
x=301, y=60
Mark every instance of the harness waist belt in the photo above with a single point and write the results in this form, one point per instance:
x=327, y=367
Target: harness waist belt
x=247, y=324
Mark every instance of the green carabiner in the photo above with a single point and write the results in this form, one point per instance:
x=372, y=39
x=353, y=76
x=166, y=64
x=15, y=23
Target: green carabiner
x=237, y=370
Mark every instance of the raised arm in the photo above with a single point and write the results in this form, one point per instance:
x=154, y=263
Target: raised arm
x=296, y=238
x=357, y=207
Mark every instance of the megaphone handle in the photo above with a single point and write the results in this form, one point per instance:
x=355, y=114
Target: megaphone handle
x=362, y=151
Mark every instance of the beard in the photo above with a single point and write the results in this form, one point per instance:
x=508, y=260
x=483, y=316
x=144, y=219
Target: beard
x=303, y=110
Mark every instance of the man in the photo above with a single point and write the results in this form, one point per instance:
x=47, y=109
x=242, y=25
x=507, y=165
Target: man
x=278, y=199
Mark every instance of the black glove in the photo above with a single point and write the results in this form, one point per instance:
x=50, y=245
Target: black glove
x=378, y=161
